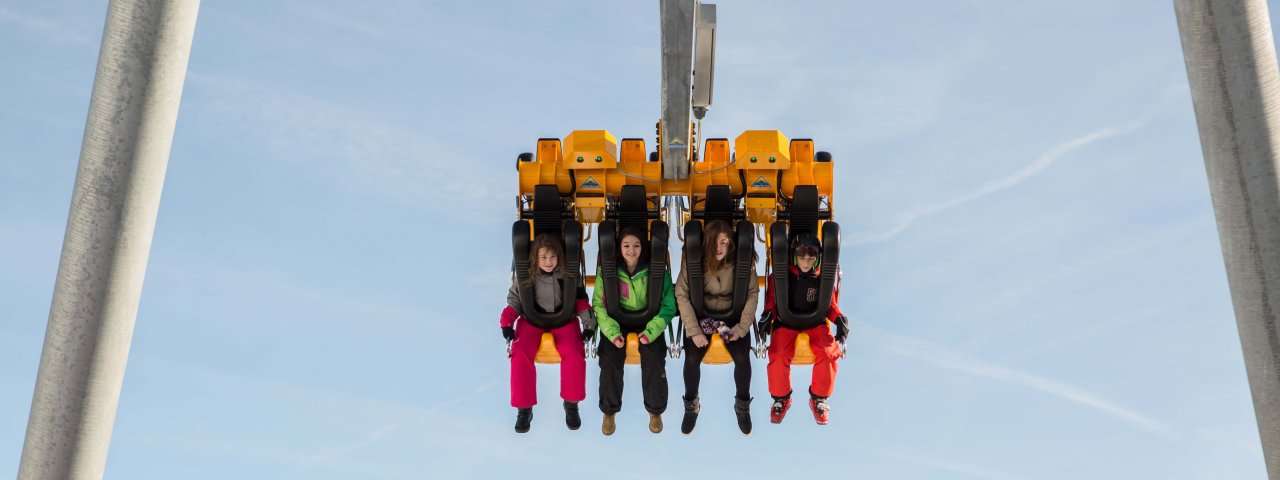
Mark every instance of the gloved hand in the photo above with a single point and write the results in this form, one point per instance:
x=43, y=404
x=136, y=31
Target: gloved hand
x=762, y=325
x=725, y=333
x=588, y=318
x=588, y=334
x=714, y=327
x=842, y=328
x=509, y=333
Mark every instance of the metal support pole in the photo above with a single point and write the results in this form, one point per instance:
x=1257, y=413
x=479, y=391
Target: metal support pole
x=132, y=114
x=677, y=85
x=1231, y=65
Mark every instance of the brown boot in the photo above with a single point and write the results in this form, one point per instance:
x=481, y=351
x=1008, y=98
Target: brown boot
x=608, y=426
x=655, y=423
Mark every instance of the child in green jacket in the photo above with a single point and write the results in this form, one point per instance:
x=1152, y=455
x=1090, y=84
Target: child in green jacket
x=633, y=295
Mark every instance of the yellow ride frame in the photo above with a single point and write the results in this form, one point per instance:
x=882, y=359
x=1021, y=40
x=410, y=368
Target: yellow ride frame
x=763, y=163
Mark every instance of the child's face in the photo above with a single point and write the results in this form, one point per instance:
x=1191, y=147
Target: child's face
x=547, y=260
x=630, y=249
x=805, y=259
x=722, y=247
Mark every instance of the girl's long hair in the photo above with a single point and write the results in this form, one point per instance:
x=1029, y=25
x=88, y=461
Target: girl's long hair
x=552, y=244
x=711, y=234
x=710, y=237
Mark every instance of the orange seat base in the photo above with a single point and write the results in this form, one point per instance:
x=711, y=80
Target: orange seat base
x=547, y=353
x=633, y=349
x=717, y=354
x=804, y=353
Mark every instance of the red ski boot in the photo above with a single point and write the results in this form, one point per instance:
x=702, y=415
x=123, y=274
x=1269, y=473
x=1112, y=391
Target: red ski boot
x=820, y=409
x=779, y=410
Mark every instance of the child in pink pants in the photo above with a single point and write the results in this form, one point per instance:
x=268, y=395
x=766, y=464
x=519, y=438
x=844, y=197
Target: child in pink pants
x=547, y=280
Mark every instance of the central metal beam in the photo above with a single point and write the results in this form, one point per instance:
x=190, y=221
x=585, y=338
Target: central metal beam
x=677, y=86
x=1235, y=88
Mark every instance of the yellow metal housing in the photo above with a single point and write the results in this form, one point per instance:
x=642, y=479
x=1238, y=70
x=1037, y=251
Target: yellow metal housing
x=590, y=155
x=601, y=166
x=761, y=155
x=714, y=169
x=763, y=149
x=590, y=149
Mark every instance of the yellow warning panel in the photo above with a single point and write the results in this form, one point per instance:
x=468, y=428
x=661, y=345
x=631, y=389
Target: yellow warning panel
x=589, y=197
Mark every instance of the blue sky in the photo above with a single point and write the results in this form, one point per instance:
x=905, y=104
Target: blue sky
x=1031, y=262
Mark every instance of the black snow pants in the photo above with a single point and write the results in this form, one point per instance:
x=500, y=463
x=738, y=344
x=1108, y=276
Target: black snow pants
x=653, y=375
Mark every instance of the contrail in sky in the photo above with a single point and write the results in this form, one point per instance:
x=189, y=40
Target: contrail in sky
x=392, y=428
x=939, y=355
x=1034, y=168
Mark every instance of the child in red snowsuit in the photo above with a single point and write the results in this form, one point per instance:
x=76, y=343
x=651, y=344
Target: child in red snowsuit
x=547, y=280
x=804, y=279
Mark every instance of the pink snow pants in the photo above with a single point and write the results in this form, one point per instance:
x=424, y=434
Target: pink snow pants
x=573, y=363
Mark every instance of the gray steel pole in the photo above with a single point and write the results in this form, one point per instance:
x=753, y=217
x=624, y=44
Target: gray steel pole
x=677, y=85
x=132, y=113
x=1231, y=65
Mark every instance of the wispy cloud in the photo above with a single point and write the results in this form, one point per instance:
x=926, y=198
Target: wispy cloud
x=1251, y=446
x=472, y=441
x=420, y=419
x=256, y=278
x=941, y=356
x=326, y=16
x=946, y=465
x=399, y=25
x=46, y=28
x=468, y=439
x=1041, y=163
x=1076, y=266
x=261, y=393
x=489, y=277
x=357, y=147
